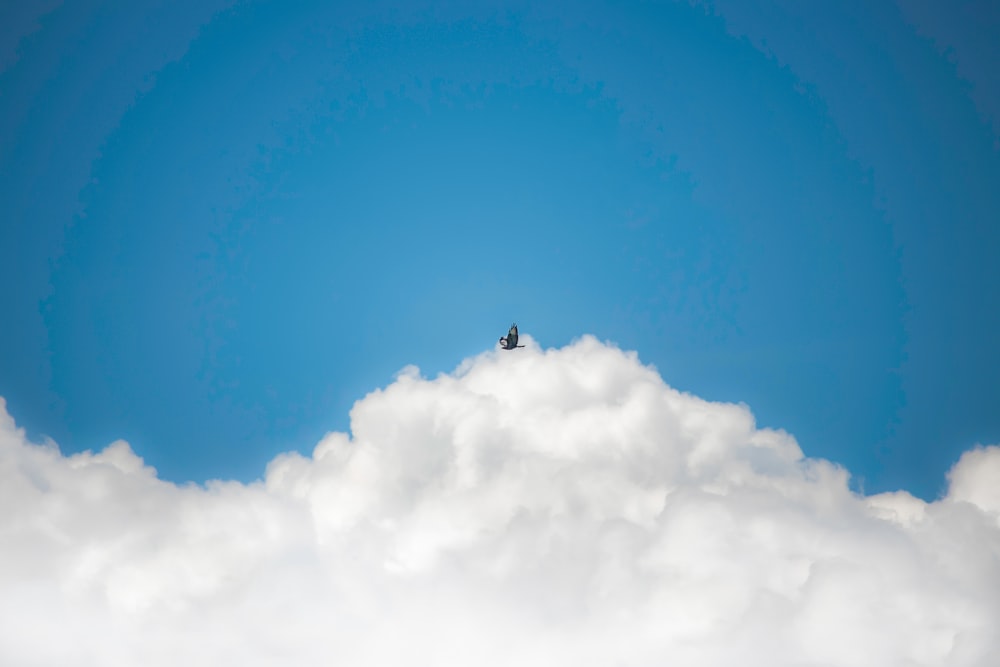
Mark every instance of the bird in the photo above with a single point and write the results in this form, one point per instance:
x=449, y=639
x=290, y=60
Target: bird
x=509, y=342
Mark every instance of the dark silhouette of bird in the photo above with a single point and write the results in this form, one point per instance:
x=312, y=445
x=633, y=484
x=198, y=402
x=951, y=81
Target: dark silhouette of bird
x=509, y=342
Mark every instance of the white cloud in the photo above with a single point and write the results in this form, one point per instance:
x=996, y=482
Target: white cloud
x=556, y=507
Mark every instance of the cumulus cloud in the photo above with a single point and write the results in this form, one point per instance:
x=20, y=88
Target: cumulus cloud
x=543, y=507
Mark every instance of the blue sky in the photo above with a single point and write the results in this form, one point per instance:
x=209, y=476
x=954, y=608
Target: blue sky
x=226, y=222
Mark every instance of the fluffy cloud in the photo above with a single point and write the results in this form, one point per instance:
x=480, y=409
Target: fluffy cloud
x=534, y=508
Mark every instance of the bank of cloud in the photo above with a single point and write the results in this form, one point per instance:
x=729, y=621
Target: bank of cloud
x=561, y=506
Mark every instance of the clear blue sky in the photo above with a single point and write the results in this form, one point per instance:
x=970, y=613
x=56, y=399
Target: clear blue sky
x=223, y=223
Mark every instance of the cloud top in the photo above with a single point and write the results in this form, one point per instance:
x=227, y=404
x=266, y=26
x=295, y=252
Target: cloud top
x=537, y=507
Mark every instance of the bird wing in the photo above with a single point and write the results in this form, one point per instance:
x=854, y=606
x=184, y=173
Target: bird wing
x=512, y=336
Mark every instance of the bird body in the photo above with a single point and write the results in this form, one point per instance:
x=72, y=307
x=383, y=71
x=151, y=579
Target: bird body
x=509, y=342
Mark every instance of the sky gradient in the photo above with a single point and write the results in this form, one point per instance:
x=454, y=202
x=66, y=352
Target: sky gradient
x=224, y=223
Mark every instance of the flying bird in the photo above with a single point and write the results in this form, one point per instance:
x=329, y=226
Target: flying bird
x=509, y=342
